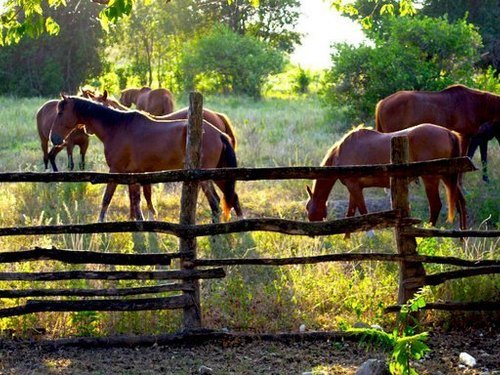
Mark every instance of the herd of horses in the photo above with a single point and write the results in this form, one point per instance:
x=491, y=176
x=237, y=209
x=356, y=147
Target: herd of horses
x=446, y=124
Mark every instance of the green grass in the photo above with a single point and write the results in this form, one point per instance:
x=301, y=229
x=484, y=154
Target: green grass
x=271, y=132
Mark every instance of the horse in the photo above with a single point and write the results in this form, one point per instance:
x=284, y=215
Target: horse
x=45, y=117
x=457, y=108
x=363, y=146
x=218, y=119
x=157, y=102
x=487, y=132
x=135, y=143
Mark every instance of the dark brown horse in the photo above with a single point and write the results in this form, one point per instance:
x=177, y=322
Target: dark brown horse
x=45, y=117
x=365, y=146
x=486, y=133
x=457, y=108
x=134, y=142
x=157, y=102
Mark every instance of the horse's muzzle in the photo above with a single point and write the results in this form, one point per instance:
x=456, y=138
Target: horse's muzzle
x=56, y=139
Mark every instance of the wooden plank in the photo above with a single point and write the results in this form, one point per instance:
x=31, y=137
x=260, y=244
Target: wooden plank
x=350, y=257
x=84, y=257
x=406, y=245
x=21, y=293
x=376, y=220
x=35, y=306
x=433, y=232
x=189, y=198
x=459, y=165
x=114, y=275
x=454, y=306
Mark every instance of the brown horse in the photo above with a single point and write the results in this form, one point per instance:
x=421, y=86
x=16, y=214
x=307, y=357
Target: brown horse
x=220, y=120
x=457, y=108
x=365, y=146
x=157, y=102
x=135, y=143
x=45, y=117
x=217, y=119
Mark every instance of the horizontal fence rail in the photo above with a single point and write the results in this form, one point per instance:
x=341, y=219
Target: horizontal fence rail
x=385, y=219
x=415, y=169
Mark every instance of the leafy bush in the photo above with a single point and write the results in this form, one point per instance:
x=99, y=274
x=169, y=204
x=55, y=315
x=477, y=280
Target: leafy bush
x=409, y=53
x=228, y=62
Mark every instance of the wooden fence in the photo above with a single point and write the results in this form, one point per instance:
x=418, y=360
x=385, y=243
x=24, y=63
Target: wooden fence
x=192, y=269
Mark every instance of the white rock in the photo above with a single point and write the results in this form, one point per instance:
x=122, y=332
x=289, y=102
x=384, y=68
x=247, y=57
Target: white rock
x=302, y=328
x=467, y=359
x=205, y=370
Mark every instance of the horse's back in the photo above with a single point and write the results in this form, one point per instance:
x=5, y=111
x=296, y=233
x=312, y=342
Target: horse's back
x=45, y=117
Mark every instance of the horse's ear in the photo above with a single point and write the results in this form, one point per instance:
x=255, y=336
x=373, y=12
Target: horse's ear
x=64, y=96
x=309, y=192
x=105, y=94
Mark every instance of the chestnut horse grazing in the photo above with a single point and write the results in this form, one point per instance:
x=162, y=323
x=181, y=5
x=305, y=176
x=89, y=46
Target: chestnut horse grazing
x=157, y=102
x=365, y=146
x=45, y=117
x=486, y=133
x=136, y=143
x=457, y=108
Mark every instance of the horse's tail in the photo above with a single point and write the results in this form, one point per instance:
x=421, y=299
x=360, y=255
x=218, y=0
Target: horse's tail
x=229, y=128
x=378, y=123
x=228, y=160
x=453, y=185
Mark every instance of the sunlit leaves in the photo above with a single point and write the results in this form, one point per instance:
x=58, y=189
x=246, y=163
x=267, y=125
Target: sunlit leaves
x=114, y=11
x=51, y=26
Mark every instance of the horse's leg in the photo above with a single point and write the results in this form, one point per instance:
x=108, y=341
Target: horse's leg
x=432, y=191
x=134, y=193
x=106, y=199
x=351, y=210
x=146, y=189
x=45, y=149
x=52, y=157
x=83, y=150
x=69, y=151
x=483, y=148
x=462, y=208
x=213, y=199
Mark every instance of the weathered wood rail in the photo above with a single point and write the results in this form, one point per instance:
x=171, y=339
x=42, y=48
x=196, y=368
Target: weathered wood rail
x=412, y=272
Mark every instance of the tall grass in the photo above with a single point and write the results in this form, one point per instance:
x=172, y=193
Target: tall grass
x=271, y=132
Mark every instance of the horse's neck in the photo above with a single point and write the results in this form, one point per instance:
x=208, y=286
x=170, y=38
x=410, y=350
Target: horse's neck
x=97, y=127
x=321, y=189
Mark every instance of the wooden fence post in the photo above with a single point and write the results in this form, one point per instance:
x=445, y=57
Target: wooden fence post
x=189, y=197
x=406, y=245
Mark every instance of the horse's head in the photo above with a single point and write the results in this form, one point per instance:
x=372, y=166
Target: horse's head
x=316, y=211
x=129, y=96
x=65, y=122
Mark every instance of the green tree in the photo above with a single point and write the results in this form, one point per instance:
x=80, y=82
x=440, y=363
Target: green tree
x=231, y=62
x=409, y=53
x=47, y=65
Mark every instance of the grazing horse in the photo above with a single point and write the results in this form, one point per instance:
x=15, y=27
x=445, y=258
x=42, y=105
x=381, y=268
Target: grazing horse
x=365, y=146
x=45, y=117
x=136, y=143
x=487, y=132
x=157, y=102
x=457, y=108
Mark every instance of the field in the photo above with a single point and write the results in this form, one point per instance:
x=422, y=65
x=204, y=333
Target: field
x=271, y=132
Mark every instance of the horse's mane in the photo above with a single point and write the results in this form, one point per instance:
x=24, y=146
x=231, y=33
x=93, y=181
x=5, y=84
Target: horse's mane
x=336, y=146
x=85, y=106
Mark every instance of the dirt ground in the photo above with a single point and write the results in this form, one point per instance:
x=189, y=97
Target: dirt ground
x=256, y=356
